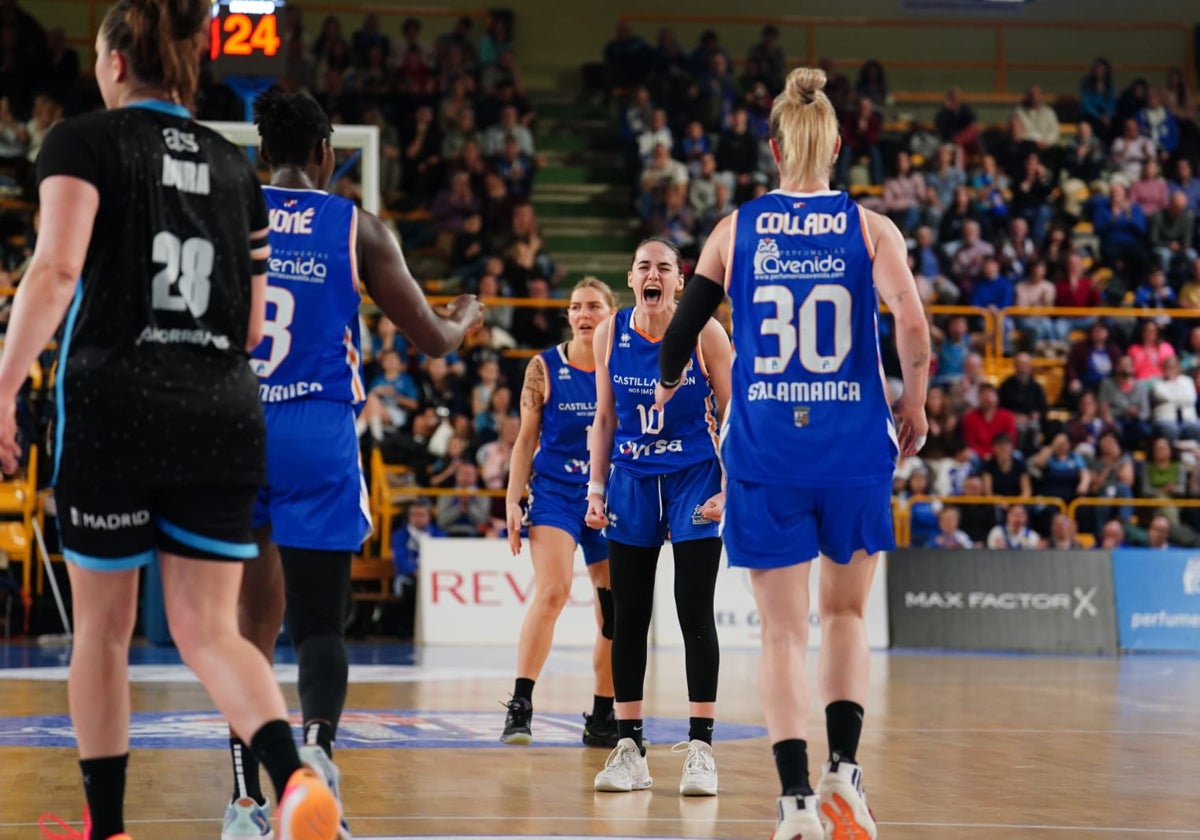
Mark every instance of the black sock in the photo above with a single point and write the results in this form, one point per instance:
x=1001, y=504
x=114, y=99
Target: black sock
x=320, y=733
x=601, y=706
x=843, y=726
x=791, y=760
x=631, y=729
x=245, y=771
x=104, y=785
x=700, y=729
x=276, y=751
x=523, y=689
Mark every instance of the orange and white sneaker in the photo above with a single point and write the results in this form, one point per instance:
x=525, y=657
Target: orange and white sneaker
x=308, y=809
x=799, y=819
x=844, y=811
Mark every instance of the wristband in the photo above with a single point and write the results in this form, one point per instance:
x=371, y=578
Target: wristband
x=595, y=488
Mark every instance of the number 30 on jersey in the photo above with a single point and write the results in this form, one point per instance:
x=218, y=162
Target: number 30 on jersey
x=803, y=335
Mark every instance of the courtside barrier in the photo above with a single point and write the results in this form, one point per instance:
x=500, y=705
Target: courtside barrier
x=1034, y=601
x=1158, y=598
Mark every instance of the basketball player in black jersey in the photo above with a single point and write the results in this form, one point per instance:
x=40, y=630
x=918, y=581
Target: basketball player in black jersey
x=154, y=245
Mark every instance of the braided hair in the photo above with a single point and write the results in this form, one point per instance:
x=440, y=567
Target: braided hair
x=292, y=126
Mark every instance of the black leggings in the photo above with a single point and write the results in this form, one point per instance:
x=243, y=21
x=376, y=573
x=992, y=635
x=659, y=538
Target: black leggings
x=317, y=584
x=632, y=569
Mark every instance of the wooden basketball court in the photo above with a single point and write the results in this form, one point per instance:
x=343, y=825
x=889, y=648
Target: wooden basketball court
x=988, y=748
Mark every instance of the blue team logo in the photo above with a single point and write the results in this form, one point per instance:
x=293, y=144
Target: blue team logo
x=1191, y=577
x=576, y=467
x=368, y=729
x=768, y=249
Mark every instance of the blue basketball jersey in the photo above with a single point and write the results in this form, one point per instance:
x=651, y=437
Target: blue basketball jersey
x=566, y=419
x=310, y=345
x=649, y=442
x=809, y=406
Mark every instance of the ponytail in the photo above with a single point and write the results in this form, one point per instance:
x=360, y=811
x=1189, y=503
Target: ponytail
x=804, y=126
x=161, y=40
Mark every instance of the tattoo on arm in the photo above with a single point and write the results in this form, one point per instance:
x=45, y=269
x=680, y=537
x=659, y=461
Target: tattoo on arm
x=533, y=392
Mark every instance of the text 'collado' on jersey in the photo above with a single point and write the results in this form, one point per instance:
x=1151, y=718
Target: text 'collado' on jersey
x=810, y=224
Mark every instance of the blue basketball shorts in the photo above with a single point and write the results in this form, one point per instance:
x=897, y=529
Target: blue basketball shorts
x=767, y=526
x=558, y=504
x=315, y=496
x=641, y=511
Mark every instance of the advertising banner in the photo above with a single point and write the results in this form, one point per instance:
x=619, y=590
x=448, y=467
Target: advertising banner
x=474, y=592
x=1158, y=598
x=737, y=615
x=1037, y=601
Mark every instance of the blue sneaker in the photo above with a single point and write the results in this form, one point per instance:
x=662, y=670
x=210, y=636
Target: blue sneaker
x=246, y=818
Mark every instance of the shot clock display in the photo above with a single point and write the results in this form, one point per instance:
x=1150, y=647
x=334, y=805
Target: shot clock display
x=244, y=37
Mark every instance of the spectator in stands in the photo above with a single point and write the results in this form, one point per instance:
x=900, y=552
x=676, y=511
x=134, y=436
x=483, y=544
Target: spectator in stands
x=943, y=438
x=956, y=123
x=1087, y=424
x=488, y=373
x=722, y=206
x=693, y=147
x=1189, y=356
x=860, y=139
x=949, y=535
x=1112, y=535
x=1025, y=397
x=981, y=425
x=509, y=126
x=1159, y=532
x=1038, y=331
x=406, y=542
x=837, y=87
x=1130, y=151
x=467, y=258
x=1015, y=533
x=1031, y=196
x=1039, y=123
x=708, y=46
x=626, y=56
x=656, y=134
x=952, y=351
x=1091, y=360
x=970, y=256
x=1064, y=473
x=1150, y=191
x=1131, y=100
x=516, y=168
x=496, y=39
x=952, y=473
x=737, y=152
x=660, y=172
x=1075, y=289
x=1063, y=534
x=1016, y=249
x=1155, y=294
x=1156, y=122
x=904, y=194
x=1188, y=184
x=397, y=393
x=922, y=514
x=453, y=206
x=716, y=93
x=1174, y=398
x=421, y=143
x=456, y=120
x=927, y=266
x=524, y=258
x=1098, y=98
x=965, y=392
x=62, y=71
x=1177, y=98
x=444, y=469
x=442, y=389
x=495, y=456
x=412, y=447
x=1163, y=477
x=955, y=218
x=770, y=58
x=369, y=37
x=1113, y=476
x=638, y=115
x=872, y=84
x=466, y=514
x=992, y=291
x=1149, y=354
x=538, y=327
x=1085, y=163
x=674, y=221
x=1127, y=402
x=1171, y=234
x=1121, y=226
x=702, y=186
x=13, y=142
x=47, y=111
x=1005, y=473
x=943, y=179
x=977, y=520
x=990, y=189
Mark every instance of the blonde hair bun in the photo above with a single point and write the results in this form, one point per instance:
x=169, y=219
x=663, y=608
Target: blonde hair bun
x=804, y=82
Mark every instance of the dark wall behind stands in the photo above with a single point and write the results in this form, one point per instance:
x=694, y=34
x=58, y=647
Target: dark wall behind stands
x=554, y=39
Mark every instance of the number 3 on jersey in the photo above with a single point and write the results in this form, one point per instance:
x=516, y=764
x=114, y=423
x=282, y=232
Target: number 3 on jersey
x=275, y=330
x=804, y=334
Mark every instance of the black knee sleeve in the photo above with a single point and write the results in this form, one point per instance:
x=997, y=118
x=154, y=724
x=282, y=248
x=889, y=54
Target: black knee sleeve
x=604, y=596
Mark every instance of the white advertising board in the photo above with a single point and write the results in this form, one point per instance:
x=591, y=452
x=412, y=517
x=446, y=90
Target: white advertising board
x=737, y=615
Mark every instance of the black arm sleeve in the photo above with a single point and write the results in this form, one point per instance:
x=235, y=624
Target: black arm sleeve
x=700, y=300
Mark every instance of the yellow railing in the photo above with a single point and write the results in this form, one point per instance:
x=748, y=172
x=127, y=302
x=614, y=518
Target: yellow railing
x=1082, y=312
x=1111, y=501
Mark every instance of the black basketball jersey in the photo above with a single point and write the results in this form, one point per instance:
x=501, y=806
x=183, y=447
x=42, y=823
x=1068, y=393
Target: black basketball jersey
x=153, y=379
